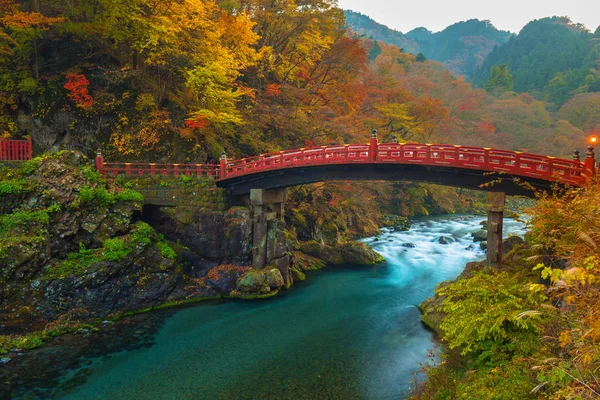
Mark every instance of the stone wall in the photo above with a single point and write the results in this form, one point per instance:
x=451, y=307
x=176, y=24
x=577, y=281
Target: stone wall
x=182, y=191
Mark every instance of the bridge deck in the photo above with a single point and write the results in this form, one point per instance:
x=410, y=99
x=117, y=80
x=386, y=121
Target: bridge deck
x=464, y=166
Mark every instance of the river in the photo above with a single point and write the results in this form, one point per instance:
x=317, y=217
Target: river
x=345, y=333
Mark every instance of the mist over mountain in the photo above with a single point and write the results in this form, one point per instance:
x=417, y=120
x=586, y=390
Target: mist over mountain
x=462, y=47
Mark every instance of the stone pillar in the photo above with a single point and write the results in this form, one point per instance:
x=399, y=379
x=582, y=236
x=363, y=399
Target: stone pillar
x=495, y=210
x=266, y=204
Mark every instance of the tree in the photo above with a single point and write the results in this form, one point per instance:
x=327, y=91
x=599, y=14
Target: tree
x=500, y=80
x=375, y=51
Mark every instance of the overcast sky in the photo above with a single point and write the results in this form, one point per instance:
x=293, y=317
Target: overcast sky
x=509, y=15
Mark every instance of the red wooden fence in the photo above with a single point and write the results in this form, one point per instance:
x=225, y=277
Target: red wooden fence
x=15, y=150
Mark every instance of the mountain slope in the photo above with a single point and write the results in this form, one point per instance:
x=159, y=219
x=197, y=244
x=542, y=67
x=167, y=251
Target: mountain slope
x=462, y=47
x=553, y=55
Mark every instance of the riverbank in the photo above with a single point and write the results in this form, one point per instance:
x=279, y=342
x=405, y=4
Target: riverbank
x=76, y=251
x=347, y=332
x=527, y=330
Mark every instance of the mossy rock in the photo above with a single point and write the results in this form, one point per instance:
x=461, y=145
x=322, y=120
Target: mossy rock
x=429, y=314
x=253, y=281
x=274, y=278
x=305, y=262
x=479, y=236
x=323, y=252
x=359, y=253
x=297, y=274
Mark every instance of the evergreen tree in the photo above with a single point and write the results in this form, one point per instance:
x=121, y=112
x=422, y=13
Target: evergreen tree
x=375, y=51
x=500, y=80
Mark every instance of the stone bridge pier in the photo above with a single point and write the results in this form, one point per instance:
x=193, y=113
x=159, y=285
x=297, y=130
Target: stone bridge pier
x=495, y=210
x=267, y=215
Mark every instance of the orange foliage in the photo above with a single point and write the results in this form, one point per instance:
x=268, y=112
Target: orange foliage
x=273, y=90
x=77, y=85
x=487, y=127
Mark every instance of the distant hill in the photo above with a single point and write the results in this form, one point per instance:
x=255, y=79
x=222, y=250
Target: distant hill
x=462, y=47
x=553, y=57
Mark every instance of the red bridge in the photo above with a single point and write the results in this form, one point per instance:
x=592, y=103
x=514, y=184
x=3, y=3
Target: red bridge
x=462, y=166
x=265, y=177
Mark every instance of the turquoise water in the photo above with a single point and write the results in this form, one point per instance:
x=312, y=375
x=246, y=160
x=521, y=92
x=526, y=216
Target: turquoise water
x=346, y=333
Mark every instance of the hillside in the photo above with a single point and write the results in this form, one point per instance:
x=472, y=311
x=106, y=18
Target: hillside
x=462, y=47
x=553, y=58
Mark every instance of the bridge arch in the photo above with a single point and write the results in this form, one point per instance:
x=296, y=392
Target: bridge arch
x=264, y=178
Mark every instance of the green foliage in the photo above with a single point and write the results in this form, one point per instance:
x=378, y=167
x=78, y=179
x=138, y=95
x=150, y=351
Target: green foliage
x=92, y=174
x=75, y=264
x=142, y=233
x=129, y=195
x=9, y=222
x=115, y=249
x=488, y=311
x=100, y=195
x=166, y=250
x=13, y=186
x=553, y=55
x=30, y=166
x=500, y=80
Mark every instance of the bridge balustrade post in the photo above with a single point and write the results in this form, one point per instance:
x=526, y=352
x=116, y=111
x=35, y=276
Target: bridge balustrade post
x=495, y=210
x=99, y=162
x=373, y=145
x=589, y=164
x=223, y=165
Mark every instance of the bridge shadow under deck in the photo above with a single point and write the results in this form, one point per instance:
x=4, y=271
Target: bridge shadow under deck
x=447, y=176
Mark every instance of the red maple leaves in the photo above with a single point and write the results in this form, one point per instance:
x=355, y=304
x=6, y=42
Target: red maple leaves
x=77, y=85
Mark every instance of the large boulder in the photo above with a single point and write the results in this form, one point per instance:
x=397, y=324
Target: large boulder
x=216, y=237
x=274, y=279
x=359, y=253
x=479, y=236
x=254, y=281
x=323, y=252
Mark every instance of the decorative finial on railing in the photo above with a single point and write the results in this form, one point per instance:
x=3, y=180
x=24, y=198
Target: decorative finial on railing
x=590, y=161
x=374, y=133
x=394, y=139
x=576, y=156
x=99, y=162
x=590, y=152
x=223, y=155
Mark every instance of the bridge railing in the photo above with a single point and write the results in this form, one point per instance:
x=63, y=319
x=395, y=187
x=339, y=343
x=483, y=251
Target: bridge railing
x=516, y=163
x=141, y=169
x=487, y=159
x=15, y=150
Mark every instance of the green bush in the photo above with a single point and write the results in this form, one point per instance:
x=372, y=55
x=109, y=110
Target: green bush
x=142, y=234
x=11, y=221
x=129, y=195
x=75, y=264
x=488, y=312
x=115, y=249
x=31, y=166
x=166, y=250
x=13, y=186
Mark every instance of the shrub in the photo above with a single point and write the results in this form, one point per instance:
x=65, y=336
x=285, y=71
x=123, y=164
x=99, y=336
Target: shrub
x=13, y=186
x=115, y=249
